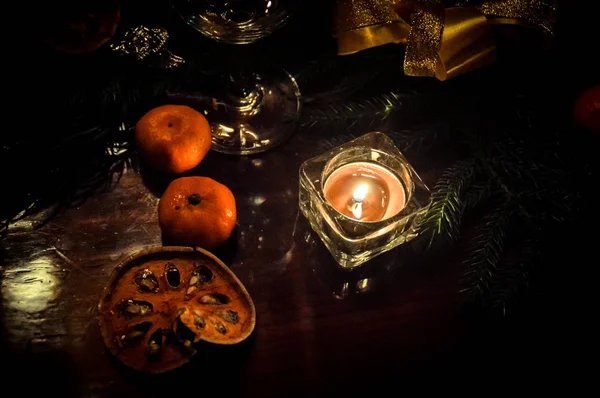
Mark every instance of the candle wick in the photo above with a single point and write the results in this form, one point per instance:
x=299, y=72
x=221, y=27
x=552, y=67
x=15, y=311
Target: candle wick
x=358, y=196
x=357, y=210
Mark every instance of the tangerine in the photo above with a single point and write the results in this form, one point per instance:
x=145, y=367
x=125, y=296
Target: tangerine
x=197, y=211
x=173, y=138
x=79, y=28
x=587, y=108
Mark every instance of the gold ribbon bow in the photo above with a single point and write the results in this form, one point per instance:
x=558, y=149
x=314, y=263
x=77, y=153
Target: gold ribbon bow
x=440, y=41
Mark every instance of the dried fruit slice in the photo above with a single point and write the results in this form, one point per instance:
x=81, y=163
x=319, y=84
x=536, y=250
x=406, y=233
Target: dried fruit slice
x=158, y=303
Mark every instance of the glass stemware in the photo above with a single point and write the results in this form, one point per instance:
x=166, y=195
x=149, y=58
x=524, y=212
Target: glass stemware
x=251, y=110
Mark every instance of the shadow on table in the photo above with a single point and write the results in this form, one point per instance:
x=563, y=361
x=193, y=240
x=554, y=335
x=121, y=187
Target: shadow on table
x=215, y=369
x=225, y=252
x=33, y=373
x=373, y=277
x=155, y=181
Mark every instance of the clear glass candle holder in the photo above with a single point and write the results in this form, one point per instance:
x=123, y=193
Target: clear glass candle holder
x=351, y=240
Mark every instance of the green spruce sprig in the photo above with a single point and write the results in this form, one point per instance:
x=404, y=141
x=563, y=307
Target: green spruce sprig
x=480, y=190
x=485, y=251
x=513, y=278
x=371, y=110
x=444, y=215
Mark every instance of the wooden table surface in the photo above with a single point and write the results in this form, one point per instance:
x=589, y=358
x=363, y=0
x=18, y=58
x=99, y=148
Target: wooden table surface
x=320, y=330
x=316, y=324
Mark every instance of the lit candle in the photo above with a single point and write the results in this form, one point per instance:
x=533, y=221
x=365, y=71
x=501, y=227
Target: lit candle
x=365, y=191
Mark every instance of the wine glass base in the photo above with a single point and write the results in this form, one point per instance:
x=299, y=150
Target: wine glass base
x=249, y=115
x=260, y=120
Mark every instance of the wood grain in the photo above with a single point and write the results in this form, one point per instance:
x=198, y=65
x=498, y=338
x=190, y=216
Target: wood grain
x=315, y=325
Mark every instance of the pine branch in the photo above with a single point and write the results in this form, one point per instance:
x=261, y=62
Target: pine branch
x=560, y=204
x=316, y=68
x=513, y=279
x=67, y=173
x=479, y=192
x=443, y=217
x=419, y=137
x=530, y=176
x=333, y=79
x=374, y=109
x=485, y=252
x=529, y=164
x=507, y=190
x=315, y=80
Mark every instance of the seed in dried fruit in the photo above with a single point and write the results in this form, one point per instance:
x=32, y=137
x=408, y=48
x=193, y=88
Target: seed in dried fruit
x=154, y=344
x=218, y=326
x=172, y=274
x=184, y=333
x=228, y=316
x=199, y=321
x=135, y=334
x=204, y=273
x=154, y=328
x=139, y=331
x=135, y=308
x=201, y=276
x=215, y=298
x=147, y=281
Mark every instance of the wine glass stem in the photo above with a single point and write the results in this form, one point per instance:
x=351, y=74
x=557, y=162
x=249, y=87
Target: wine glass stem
x=245, y=93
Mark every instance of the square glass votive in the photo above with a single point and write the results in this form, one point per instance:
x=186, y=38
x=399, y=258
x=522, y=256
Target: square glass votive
x=335, y=213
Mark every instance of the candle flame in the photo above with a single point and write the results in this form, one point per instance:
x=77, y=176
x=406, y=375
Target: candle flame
x=360, y=193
